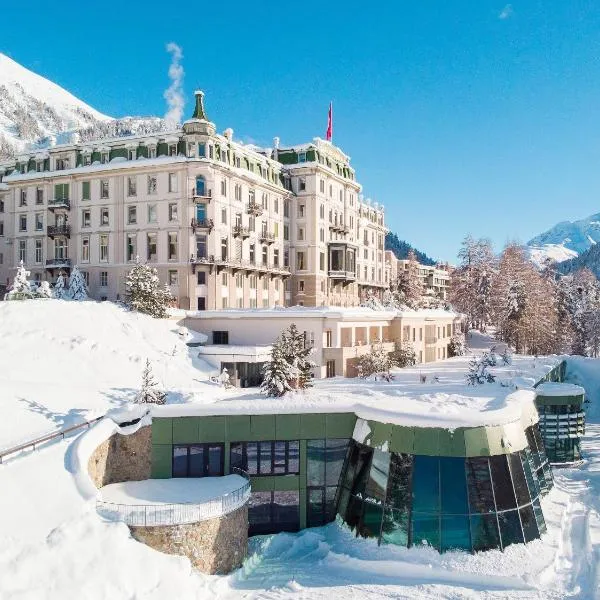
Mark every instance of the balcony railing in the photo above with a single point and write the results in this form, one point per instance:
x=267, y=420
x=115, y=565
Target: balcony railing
x=347, y=275
x=202, y=224
x=241, y=231
x=59, y=203
x=236, y=263
x=54, y=230
x=53, y=263
x=267, y=237
x=198, y=197
x=253, y=208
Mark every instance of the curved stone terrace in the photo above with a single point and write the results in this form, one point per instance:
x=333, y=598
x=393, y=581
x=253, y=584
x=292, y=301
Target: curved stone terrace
x=159, y=502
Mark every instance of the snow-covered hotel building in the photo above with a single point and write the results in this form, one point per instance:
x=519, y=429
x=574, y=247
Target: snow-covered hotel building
x=226, y=225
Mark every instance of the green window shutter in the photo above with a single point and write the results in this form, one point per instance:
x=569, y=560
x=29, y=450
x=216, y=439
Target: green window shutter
x=66, y=191
x=85, y=190
x=57, y=191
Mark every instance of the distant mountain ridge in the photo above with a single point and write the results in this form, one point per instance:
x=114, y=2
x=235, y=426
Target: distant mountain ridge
x=566, y=240
x=401, y=249
x=36, y=113
x=590, y=259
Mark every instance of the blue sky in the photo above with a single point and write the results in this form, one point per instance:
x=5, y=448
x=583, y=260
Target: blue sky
x=461, y=117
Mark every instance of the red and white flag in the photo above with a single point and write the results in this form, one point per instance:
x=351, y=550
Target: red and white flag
x=329, y=133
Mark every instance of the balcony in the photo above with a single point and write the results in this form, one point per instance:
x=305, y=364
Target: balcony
x=343, y=275
x=198, y=197
x=241, y=231
x=58, y=263
x=253, y=208
x=54, y=230
x=239, y=264
x=267, y=238
x=430, y=340
x=202, y=224
x=59, y=203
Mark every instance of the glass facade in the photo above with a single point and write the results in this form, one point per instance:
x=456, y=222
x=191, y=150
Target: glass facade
x=539, y=458
x=198, y=460
x=445, y=502
x=266, y=458
x=272, y=512
x=561, y=427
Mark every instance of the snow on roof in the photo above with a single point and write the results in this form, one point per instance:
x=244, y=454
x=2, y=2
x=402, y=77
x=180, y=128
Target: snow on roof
x=263, y=350
x=551, y=388
x=171, y=491
x=444, y=400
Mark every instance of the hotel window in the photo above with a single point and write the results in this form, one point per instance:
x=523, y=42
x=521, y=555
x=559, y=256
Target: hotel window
x=1, y=206
x=224, y=249
x=286, y=257
x=300, y=265
x=322, y=187
x=252, y=282
x=1, y=228
x=131, y=154
x=300, y=234
x=87, y=160
x=276, y=205
x=151, y=246
x=103, y=278
x=252, y=254
x=200, y=460
x=39, y=222
x=330, y=191
x=85, y=218
x=265, y=255
x=265, y=283
x=104, y=248
x=301, y=184
x=201, y=278
x=173, y=182
x=131, y=247
x=152, y=152
x=251, y=223
x=173, y=152
x=301, y=286
x=85, y=249
x=173, y=278
x=286, y=208
x=202, y=150
x=223, y=187
x=224, y=216
x=301, y=157
x=131, y=215
x=23, y=223
x=238, y=192
x=38, y=251
x=276, y=258
x=104, y=189
x=23, y=250
x=152, y=218
x=104, y=157
x=23, y=198
x=322, y=211
x=286, y=232
x=152, y=185
x=131, y=186
x=265, y=201
x=39, y=195
x=85, y=190
x=62, y=164
x=224, y=279
x=266, y=458
x=104, y=216
x=173, y=211
x=239, y=280
x=172, y=245
x=300, y=210
x=322, y=261
x=322, y=234
x=86, y=278
x=211, y=151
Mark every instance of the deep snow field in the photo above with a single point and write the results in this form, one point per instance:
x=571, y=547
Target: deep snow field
x=62, y=362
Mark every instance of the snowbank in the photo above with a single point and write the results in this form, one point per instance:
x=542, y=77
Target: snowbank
x=551, y=388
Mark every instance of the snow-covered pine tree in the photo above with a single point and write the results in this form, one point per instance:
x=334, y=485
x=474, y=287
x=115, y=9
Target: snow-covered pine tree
x=376, y=362
x=44, y=290
x=21, y=287
x=457, y=346
x=150, y=393
x=144, y=293
x=77, y=287
x=297, y=352
x=61, y=292
x=404, y=354
x=278, y=373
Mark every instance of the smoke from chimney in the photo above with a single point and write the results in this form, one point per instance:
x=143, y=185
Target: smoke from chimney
x=174, y=93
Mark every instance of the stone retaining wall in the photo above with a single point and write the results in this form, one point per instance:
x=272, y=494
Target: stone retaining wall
x=122, y=458
x=216, y=546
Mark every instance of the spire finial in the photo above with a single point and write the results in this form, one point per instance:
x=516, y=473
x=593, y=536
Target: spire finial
x=199, y=112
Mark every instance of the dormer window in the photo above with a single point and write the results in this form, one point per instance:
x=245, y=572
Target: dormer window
x=62, y=164
x=87, y=160
x=131, y=154
x=172, y=149
x=211, y=151
x=301, y=157
x=191, y=150
x=104, y=157
x=152, y=152
x=39, y=165
x=238, y=162
x=202, y=150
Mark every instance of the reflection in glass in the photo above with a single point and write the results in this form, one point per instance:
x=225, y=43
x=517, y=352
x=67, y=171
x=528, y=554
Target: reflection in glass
x=484, y=532
x=510, y=528
x=425, y=530
x=479, y=484
x=503, y=487
x=426, y=484
x=454, y=487
x=530, y=529
x=455, y=533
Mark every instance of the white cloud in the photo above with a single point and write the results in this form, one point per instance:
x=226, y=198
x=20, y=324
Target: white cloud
x=506, y=12
x=174, y=93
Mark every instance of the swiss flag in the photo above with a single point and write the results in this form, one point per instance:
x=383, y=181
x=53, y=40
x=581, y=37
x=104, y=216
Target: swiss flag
x=329, y=133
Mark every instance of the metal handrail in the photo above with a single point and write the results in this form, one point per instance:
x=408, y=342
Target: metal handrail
x=45, y=438
x=155, y=515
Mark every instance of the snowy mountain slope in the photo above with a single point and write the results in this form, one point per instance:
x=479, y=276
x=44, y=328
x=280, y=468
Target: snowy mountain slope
x=565, y=240
x=36, y=112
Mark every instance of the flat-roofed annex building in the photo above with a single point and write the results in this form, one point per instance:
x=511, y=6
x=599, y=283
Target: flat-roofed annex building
x=227, y=225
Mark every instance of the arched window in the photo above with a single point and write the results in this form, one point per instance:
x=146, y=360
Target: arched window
x=200, y=186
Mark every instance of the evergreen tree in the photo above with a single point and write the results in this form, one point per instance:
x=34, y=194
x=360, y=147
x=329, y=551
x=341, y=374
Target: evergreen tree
x=278, y=372
x=407, y=290
x=456, y=346
x=404, y=355
x=60, y=288
x=144, y=293
x=376, y=362
x=150, y=393
x=77, y=287
x=297, y=352
x=44, y=290
x=21, y=287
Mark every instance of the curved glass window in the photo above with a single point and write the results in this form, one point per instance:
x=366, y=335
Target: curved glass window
x=200, y=186
x=448, y=503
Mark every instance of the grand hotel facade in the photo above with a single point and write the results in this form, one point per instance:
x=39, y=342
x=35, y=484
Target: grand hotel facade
x=226, y=225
